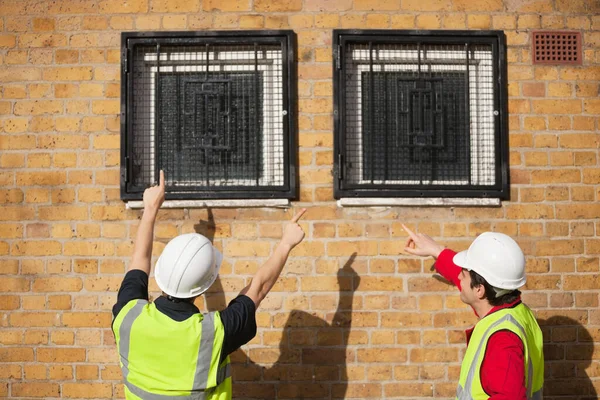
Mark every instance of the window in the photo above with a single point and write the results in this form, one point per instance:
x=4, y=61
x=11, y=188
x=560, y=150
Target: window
x=420, y=114
x=214, y=110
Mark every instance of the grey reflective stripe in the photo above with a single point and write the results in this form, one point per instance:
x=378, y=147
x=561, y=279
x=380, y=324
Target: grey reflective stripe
x=205, y=352
x=125, y=334
x=537, y=395
x=462, y=394
x=153, y=396
x=223, y=373
x=465, y=393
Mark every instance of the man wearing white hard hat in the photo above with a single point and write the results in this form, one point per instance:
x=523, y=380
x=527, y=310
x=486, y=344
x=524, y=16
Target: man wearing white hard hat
x=504, y=358
x=167, y=348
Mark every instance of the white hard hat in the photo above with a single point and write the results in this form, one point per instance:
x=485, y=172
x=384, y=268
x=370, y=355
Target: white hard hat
x=188, y=265
x=497, y=258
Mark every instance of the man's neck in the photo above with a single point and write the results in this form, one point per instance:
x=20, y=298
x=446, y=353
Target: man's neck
x=482, y=308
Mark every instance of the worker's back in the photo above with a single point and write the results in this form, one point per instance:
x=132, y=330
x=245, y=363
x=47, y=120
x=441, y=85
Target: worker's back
x=161, y=357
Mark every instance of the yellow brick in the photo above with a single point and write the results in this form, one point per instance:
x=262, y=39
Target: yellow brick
x=479, y=21
x=504, y=22
x=174, y=21
x=39, y=160
x=277, y=5
x=455, y=21
x=106, y=106
x=559, y=123
x=298, y=21
x=104, y=142
x=94, y=22
x=80, y=177
x=15, y=92
x=559, y=89
x=417, y=5
x=15, y=125
x=583, y=123
x=16, y=57
x=121, y=22
x=93, y=124
x=90, y=159
x=546, y=140
x=378, y=21
x=40, y=56
x=116, y=6
x=68, y=74
x=318, y=5
x=35, y=248
x=7, y=41
x=579, y=141
x=65, y=160
x=347, y=248
x=202, y=21
x=92, y=56
x=42, y=40
x=65, y=90
x=352, y=20
x=226, y=5
x=63, y=141
x=252, y=21
x=38, y=107
x=315, y=140
x=313, y=38
x=77, y=107
x=586, y=89
x=580, y=74
x=327, y=20
x=429, y=21
x=67, y=124
x=39, y=90
x=66, y=56
x=402, y=21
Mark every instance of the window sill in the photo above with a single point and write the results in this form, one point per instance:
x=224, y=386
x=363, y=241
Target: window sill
x=237, y=203
x=417, y=201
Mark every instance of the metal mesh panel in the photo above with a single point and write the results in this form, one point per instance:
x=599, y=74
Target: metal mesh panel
x=211, y=116
x=419, y=115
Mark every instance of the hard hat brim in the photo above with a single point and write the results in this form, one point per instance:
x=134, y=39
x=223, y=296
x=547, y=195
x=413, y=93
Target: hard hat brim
x=460, y=259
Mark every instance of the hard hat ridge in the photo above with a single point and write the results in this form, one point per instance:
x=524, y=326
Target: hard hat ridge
x=188, y=266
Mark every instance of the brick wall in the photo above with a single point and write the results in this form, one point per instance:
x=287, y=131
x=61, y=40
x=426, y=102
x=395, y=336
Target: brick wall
x=380, y=328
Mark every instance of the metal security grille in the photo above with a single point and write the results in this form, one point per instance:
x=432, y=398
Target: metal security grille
x=556, y=48
x=420, y=114
x=213, y=110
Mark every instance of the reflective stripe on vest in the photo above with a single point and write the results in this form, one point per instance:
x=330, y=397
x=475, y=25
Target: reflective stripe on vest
x=464, y=393
x=199, y=391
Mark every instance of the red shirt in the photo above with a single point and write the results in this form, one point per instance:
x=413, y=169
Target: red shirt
x=503, y=367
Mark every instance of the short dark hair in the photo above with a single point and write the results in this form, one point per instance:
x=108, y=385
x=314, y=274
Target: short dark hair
x=490, y=293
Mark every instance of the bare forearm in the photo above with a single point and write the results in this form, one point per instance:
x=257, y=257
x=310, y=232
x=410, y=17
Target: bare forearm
x=267, y=275
x=142, y=250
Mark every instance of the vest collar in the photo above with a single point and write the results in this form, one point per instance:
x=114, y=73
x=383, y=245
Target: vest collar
x=179, y=311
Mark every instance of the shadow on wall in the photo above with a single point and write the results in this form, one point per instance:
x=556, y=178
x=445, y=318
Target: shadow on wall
x=312, y=352
x=568, y=352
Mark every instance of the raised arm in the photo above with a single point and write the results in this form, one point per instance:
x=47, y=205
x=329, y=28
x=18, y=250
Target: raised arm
x=142, y=250
x=420, y=244
x=267, y=275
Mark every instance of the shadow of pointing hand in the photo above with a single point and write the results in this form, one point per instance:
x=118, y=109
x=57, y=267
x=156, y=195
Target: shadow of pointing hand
x=312, y=353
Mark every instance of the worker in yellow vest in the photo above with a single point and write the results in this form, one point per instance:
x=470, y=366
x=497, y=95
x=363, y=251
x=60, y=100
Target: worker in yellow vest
x=167, y=348
x=504, y=358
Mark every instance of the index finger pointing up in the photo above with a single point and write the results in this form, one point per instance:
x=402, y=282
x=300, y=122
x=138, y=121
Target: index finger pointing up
x=161, y=181
x=410, y=233
x=298, y=215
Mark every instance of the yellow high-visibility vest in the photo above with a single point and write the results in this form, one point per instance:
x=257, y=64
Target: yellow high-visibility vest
x=519, y=320
x=164, y=359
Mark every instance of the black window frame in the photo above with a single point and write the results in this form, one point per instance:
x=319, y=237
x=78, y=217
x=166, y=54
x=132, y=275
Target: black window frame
x=497, y=39
x=288, y=42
